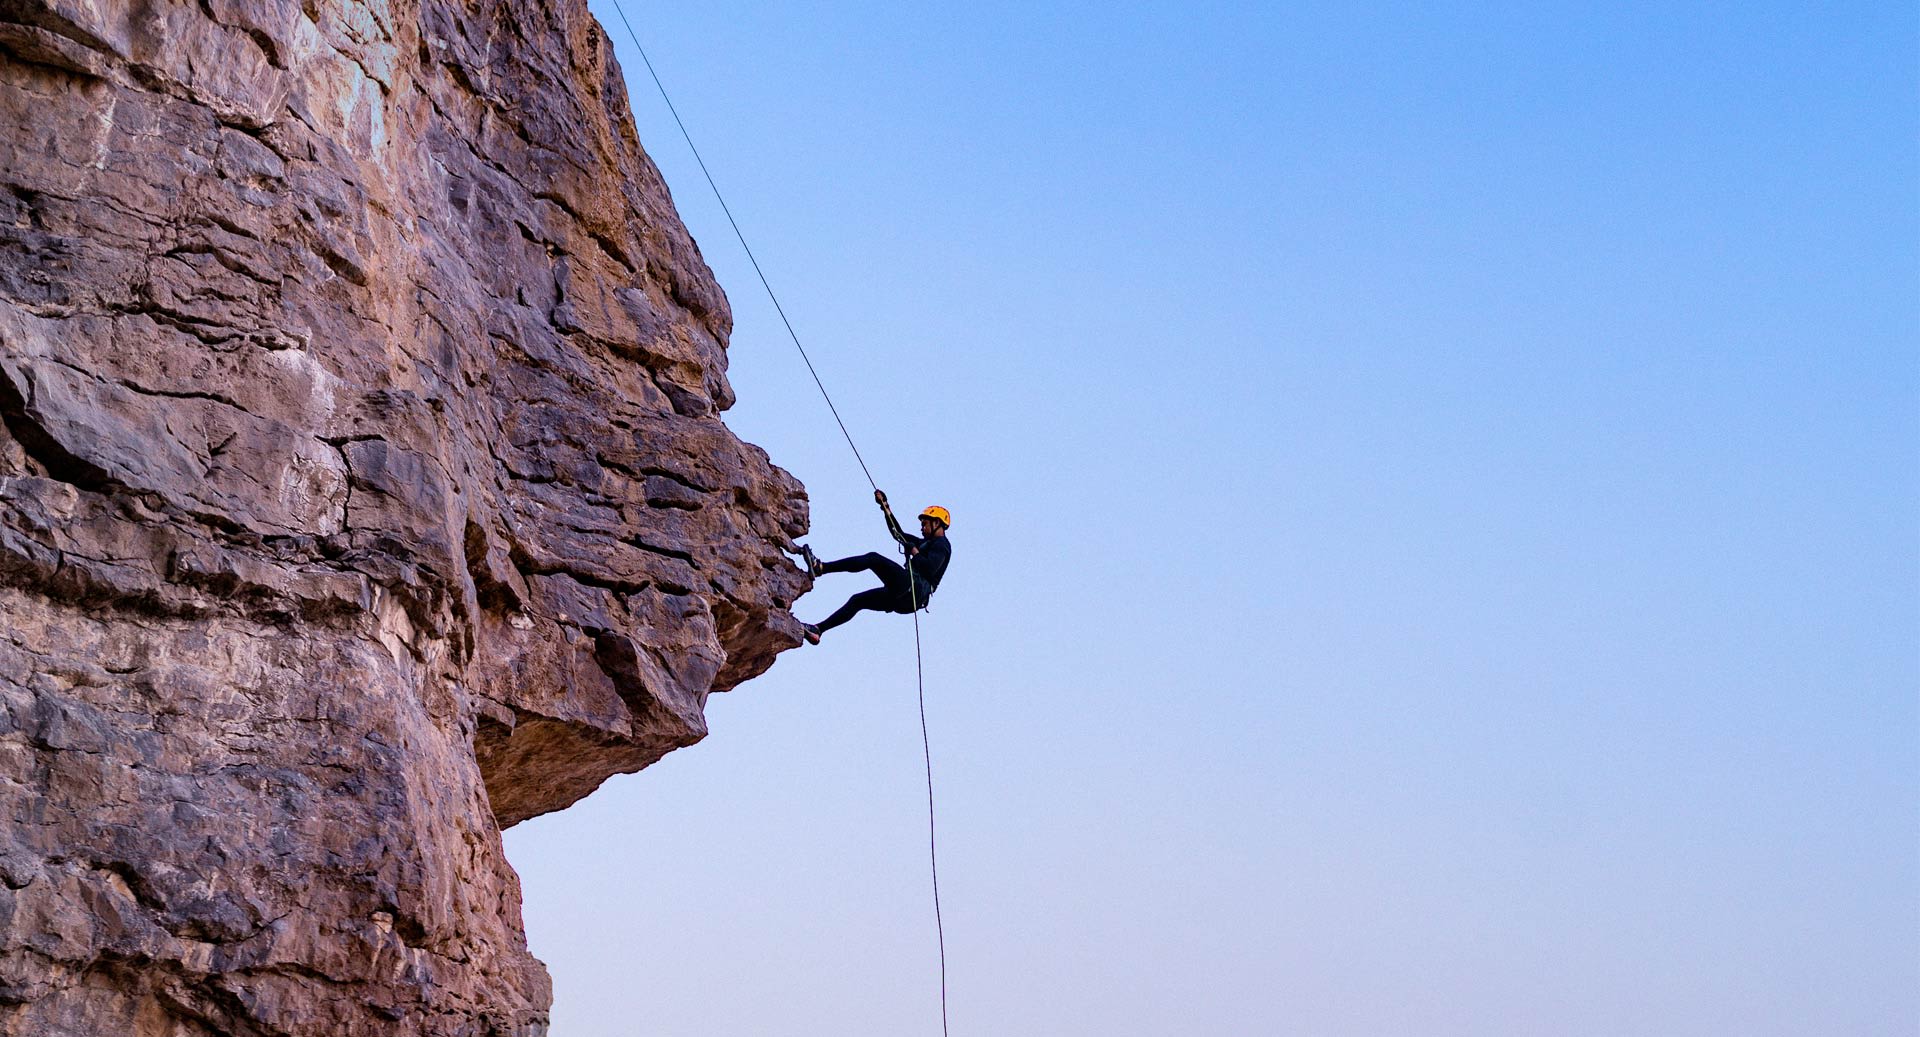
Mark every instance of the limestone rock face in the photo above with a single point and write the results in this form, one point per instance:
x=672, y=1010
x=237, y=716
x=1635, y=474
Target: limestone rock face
x=363, y=492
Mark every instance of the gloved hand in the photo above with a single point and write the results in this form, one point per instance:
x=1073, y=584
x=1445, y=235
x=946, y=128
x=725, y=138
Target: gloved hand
x=880, y=497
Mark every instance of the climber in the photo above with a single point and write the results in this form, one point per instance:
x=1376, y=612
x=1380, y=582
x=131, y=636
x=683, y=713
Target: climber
x=902, y=588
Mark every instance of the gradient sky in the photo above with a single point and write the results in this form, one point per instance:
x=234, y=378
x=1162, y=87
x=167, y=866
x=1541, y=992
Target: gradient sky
x=1437, y=527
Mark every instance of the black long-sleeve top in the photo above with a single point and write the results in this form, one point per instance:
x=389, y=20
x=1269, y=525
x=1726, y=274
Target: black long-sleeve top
x=927, y=557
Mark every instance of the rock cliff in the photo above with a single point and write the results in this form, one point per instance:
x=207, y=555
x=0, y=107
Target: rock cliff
x=363, y=492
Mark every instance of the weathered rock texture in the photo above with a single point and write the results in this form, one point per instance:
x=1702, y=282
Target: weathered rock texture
x=362, y=492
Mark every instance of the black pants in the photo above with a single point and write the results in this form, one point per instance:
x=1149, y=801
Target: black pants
x=895, y=593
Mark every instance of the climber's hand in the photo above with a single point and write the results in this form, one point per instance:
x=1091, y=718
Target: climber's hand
x=880, y=497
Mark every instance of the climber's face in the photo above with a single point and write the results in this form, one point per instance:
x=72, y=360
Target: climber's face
x=929, y=526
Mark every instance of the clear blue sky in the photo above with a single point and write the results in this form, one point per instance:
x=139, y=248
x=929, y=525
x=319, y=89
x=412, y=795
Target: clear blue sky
x=1437, y=527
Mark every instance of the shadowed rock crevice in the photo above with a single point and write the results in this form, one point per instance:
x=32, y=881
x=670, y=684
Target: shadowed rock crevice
x=45, y=451
x=363, y=491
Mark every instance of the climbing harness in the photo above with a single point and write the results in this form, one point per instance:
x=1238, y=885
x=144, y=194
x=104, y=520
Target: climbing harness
x=919, y=665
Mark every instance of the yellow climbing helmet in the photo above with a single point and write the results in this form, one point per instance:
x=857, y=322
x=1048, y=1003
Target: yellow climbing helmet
x=939, y=514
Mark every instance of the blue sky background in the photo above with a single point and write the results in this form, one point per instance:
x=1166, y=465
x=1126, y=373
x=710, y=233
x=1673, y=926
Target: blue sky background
x=1437, y=527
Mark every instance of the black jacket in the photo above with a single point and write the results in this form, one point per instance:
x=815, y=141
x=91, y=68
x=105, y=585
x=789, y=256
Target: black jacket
x=927, y=559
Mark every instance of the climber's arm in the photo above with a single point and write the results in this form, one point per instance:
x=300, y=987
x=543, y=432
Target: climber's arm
x=900, y=536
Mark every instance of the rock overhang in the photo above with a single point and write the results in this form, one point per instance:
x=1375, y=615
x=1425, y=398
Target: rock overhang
x=363, y=491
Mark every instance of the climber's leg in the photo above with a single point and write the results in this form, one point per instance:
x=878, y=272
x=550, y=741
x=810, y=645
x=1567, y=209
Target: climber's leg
x=892, y=574
x=879, y=599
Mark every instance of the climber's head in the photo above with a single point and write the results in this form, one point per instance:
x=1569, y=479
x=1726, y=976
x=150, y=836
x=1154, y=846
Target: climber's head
x=934, y=521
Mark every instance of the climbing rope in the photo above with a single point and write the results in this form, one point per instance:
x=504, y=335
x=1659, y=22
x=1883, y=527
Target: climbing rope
x=926, y=750
x=688, y=137
x=919, y=665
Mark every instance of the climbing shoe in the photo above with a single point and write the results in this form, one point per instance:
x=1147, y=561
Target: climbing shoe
x=814, y=568
x=811, y=633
